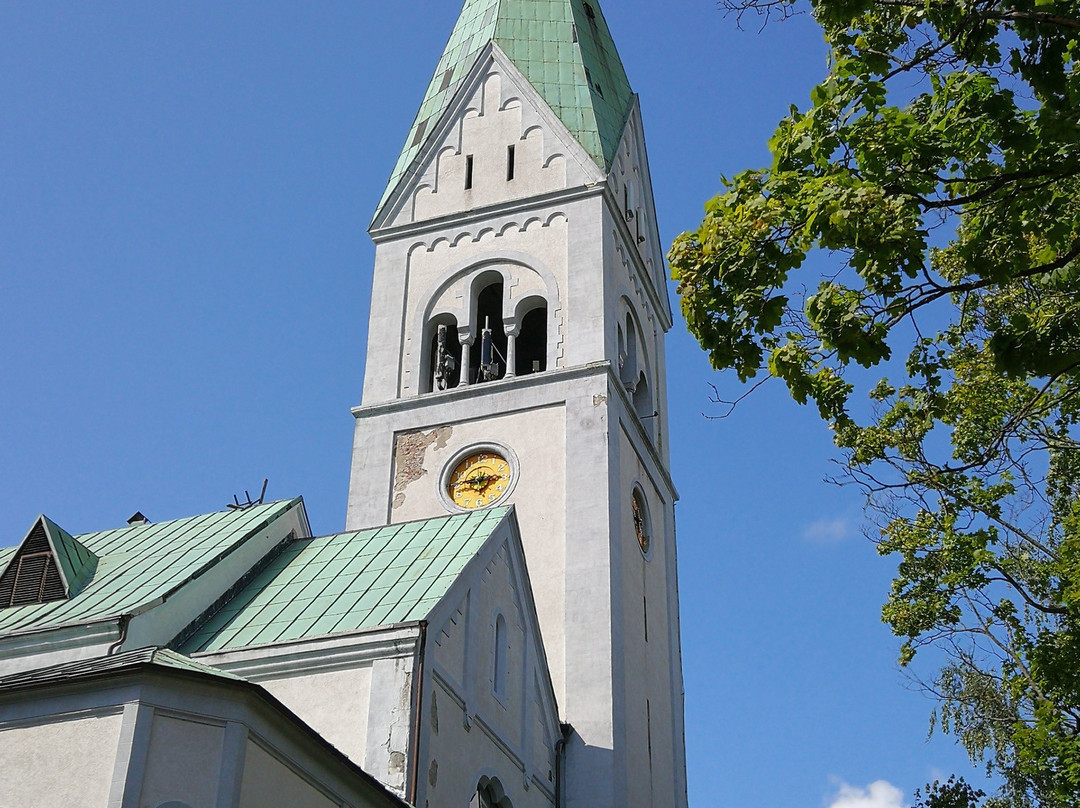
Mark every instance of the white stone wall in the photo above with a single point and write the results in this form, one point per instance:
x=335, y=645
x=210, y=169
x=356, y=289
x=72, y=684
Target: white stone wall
x=335, y=703
x=472, y=728
x=183, y=761
x=354, y=689
x=143, y=740
x=268, y=780
x=59, y=760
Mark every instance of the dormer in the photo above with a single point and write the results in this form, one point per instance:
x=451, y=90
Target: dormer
x=49, y=564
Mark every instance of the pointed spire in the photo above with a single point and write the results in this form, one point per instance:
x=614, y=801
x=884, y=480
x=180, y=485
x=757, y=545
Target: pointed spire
x=49, y=564
x=564, y=49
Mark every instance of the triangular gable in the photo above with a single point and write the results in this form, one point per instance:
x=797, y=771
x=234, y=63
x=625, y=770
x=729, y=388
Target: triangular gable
x=566, y=53
x=49, y=564
x=503, y=540
x=513, y=95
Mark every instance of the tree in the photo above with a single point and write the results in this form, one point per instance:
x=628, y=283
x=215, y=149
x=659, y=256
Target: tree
x=936, y=172
x=953, y=793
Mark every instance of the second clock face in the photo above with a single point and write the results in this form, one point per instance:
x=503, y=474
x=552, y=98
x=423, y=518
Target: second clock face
x=641, y=522
x=479, y=479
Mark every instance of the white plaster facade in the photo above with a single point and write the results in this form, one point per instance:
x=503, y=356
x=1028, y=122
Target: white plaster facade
x=148, y=737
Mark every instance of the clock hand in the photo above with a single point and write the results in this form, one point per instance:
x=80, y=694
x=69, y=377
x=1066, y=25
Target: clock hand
x=478, y=481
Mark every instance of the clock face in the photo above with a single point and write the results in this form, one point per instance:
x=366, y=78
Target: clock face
x=479, y=480
x=641, y=524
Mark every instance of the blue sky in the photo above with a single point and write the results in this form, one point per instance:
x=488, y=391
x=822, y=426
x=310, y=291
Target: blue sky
x=184, y=278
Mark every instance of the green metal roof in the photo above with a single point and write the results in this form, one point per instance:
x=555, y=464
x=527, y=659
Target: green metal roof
x=136, y=565
x=564, y=49
x=349, y=581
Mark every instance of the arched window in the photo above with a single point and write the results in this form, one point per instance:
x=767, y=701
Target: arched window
x=630, y=370
x=500, y=657
x=531, y=341
x=621, y=356
x=490, y=794
x=489, y=315
x=643, y=401
x=443, y=362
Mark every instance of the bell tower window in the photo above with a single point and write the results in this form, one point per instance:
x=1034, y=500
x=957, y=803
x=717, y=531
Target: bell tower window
x=443, y=365
x=531, y=342
x=643, y=400
x=487, y=358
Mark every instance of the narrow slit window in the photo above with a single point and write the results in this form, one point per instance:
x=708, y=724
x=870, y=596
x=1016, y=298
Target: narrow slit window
x=509, y=163
x=468, y=171
x=501, y=654
x=648, y=730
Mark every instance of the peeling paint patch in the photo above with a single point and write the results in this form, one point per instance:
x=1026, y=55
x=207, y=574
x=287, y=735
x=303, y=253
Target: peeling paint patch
x=598, y=400
x=434, y=715
x=433, y=773
x=410, y=450
x=397, y=762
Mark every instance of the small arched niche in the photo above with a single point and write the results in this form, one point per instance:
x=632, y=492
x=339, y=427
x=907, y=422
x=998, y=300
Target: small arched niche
x=442, y=363
x=531, y=340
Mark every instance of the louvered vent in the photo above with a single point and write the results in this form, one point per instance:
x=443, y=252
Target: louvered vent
x=32, y=576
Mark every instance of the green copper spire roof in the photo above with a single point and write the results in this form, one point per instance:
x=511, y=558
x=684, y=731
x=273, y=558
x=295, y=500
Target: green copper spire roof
x=564, y=49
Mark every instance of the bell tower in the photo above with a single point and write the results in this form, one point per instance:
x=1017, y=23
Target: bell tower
x=516, y=356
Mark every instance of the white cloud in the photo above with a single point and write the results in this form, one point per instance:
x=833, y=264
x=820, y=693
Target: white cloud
x=879, y=794
x=829, y=531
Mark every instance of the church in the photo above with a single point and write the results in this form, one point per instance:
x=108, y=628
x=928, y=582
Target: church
x=498, y=624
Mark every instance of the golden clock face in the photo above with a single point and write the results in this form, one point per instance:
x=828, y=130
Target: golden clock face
x=641, y=527
x=479, y=480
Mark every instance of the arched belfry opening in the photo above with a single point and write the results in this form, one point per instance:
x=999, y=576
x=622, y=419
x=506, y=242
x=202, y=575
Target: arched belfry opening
x=487, y=358
x=643, y=401
x=634, y=372
x=443, y=354
x=531, y=340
